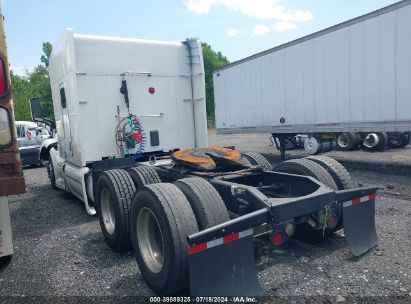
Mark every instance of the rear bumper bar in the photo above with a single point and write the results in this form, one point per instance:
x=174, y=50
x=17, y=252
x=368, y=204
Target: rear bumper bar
x=280, y=210
x=221, y=258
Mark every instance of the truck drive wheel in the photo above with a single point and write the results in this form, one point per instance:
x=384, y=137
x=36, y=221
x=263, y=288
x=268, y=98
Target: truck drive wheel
x=337, y=171
x=340, y=175
x=347, y=141
x=207, y=204
x=161, y=219
x=256, y=159
x=115, y=190
x=307, y=167
x=305, y=231
x=144, y=175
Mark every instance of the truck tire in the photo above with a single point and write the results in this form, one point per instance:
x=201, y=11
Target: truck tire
x=115, y=191
x=52, y=176
x=161, y=219
x=309, y=168
x=207, y=204
x=337, y=171
x=256, y=159
x=341, y=178
x=405, y=140
x=144, y=175
x=383, y=140
x=305, y=231
x=347, y=141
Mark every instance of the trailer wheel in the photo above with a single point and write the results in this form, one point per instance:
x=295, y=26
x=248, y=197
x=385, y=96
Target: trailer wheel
x=115, y=190
x=144, y=175
x=347, y=141
x=305, y=231
x=52, y=176
x=383, y=140
x=372, y=144
x=256, y=159
x=405, y=140
x=206, y=202
x=161, y=219
x=337, y=171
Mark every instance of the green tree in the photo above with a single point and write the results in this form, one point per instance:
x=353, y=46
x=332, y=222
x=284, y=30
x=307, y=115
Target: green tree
x=212, y=61
x=34, y=84
x=40, y=87
x=47, y=49
x=21, y=94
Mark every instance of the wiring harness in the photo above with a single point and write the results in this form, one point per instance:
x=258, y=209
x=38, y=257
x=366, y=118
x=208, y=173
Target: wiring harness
x=130, y=135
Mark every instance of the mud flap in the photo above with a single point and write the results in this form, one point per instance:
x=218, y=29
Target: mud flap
x=224, y=267
x=359, y=224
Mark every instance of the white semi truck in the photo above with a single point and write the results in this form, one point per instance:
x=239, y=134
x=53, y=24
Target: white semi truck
x=132, y=145
x=348, y=83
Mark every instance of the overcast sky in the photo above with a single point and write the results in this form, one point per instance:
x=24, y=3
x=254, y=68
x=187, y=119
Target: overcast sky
x=237, y=28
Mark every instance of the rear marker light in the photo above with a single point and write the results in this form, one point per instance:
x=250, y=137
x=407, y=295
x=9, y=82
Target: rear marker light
x=278, y=238
x=151, y=90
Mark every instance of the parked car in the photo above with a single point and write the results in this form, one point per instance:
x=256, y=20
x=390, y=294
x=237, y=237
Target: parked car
x=30, y=145
x=29, y=152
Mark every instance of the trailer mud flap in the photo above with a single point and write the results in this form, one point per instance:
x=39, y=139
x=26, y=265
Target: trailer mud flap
x=359, y=224
x=224, y=267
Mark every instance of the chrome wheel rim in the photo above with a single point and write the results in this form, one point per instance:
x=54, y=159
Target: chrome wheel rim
x=343, y=140
x=371, y=141
x=107, y=211
x=150, y=240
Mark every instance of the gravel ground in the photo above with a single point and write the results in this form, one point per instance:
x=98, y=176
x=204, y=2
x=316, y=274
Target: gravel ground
x=60, y=251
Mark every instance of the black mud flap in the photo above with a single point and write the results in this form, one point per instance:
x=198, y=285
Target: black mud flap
x=359, y=224
x=224, y=267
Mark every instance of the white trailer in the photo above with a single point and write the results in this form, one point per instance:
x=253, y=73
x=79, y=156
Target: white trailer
x=352, y=77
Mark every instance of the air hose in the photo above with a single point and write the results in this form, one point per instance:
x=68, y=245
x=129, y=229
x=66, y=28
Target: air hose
x=130, y=134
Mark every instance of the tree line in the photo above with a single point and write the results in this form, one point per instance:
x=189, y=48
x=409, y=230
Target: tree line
x=37, y=84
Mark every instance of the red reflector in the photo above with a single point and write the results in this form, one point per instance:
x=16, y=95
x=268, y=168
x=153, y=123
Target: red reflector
x=231, y=237
x=197, y=248
x=372, y=196
x=3, y=78
x=151, y=90
x=278, y=238
x=356, y=201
